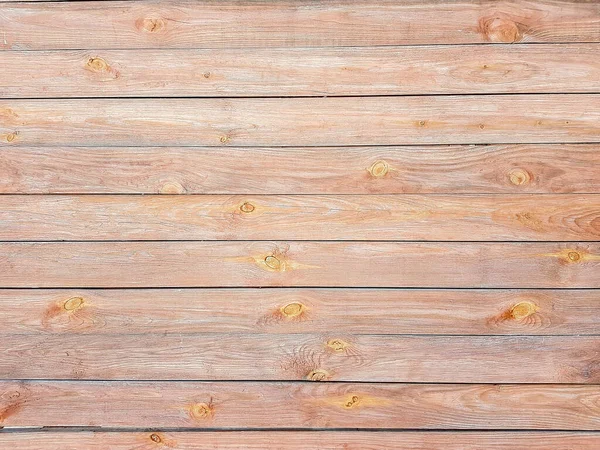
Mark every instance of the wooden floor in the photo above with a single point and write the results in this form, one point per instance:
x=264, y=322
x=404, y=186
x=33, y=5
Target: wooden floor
x=281, y=224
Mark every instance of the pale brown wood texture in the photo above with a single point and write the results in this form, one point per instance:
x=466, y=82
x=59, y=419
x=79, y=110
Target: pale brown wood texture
x=329, y=440
x=302, y=72
x=555, y=118
x=299, y=405
x=295, y=310
x=391, y=237
x=334, y=264
x=327, y=357
x=348, y=217
x=509, y=169
x=285, y=23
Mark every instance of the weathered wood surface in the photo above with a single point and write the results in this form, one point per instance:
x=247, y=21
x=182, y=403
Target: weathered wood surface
x=468, y=119
x=347, y=217
x=331, y=356
x=291, y=310
x=282, y=440
x=299, y=405
x=181, y=24
x=331, y=170
x=388, y=201
x=254, y=264
x=553, y=68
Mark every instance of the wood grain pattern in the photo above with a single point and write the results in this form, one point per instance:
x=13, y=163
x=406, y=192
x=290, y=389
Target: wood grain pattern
x=348, y=217
x=299, y=405
x=397, y=226
x=282, y=440
x=302, y=72
x=344, y=170
x=180, y=24
x=253, y=264
x=556, y=118
x=331, y=356
x=288, y=310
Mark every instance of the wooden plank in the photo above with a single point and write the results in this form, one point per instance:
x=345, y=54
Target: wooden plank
x=345, y=170
x=284, y=310
x=553, y=118
x=325, y=357
x=287, y=440
x=302, y=72
x=355, y=264
x=299, y=405
x=181, y=24
x=349, y=217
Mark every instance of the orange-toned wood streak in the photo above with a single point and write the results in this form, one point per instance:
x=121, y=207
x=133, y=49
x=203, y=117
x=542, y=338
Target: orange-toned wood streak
x=286, y=23
x=468, y=119
x=297, y=310
x=558, y=68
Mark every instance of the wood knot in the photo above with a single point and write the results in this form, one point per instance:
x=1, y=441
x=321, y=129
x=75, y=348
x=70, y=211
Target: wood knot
x=519, y=177
x=481, y=126
x=292, y=310
x=272, y=262
x=500, y=29
x=337, y=345
x=352, y=402
x=522, y=310
x=422, y=123
x=73, y=304
x=206, y=74
x=100, y=66
x=151, y=24
x=202, y=411
x=224, y=139
x=155, y=438
x=171, y=187
x=97, y=65
x=247, y=207
x=10, y=137
x=574, y=256
x=318, y=375
x=379, y=169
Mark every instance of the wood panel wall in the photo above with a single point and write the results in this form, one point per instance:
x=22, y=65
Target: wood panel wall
x=295, y=224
